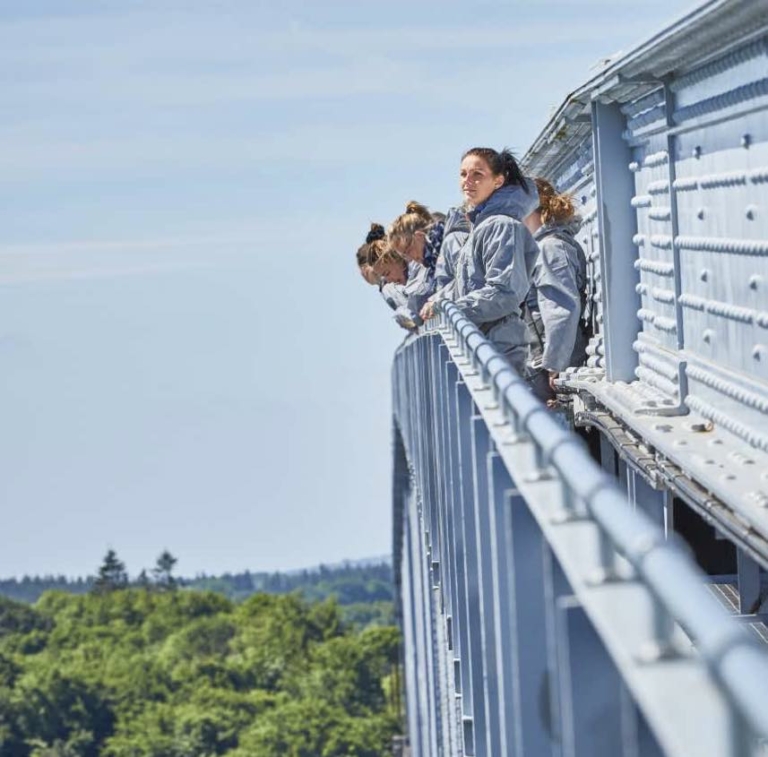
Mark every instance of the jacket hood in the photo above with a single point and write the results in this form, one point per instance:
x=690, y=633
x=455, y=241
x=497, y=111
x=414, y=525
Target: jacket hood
x=569, y=227
x=512, y=200
x=456, y=220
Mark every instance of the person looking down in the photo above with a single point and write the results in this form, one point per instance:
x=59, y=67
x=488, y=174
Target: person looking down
x=416, y=237
x=367, y=255
x=396, y=273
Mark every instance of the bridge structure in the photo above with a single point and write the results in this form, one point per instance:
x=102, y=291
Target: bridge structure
x=592, y=582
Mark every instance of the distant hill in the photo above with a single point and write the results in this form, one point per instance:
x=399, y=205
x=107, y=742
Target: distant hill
x=364, y=588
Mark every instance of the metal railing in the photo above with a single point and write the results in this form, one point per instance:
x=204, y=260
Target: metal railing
x=542, y=613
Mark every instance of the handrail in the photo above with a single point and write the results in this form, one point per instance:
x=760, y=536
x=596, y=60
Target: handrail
x=489, y=490
x=677, y=585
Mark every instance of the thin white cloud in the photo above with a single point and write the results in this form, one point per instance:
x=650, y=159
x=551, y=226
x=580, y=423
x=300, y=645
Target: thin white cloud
x=121, y=245
x=30, y=276
x=127, y=150
x=166, y=90
x=129, y=155
x=116, y=258
x=139, y=41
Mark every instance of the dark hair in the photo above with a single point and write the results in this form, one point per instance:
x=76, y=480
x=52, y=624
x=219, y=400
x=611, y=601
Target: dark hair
x=363, y=252
x=501, y=164
x=377, y=232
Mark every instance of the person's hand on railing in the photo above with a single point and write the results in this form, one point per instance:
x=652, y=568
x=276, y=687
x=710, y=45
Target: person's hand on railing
x=428, y=311
x=552, y=378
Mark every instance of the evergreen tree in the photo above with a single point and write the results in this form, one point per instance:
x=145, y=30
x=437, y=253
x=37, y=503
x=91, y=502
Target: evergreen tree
x=112, y=574
x=142, y=580
x=163, y=571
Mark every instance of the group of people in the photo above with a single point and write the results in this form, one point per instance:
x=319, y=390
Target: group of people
x=507, y=258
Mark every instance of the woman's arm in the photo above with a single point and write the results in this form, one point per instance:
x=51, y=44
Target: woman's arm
x=420, y=286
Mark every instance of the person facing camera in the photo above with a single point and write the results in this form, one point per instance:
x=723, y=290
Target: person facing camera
x=555, y=305
x=493, y=268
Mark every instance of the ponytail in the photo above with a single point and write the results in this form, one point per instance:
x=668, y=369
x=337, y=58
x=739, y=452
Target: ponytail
x=364, y=252
x=419, y=211
x=376, y=232
x=554, y=207
x=416, y=218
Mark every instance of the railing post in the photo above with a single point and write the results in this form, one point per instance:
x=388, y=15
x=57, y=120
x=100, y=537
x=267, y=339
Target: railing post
x=484, y=542
x=590, y=688
x=472, y=662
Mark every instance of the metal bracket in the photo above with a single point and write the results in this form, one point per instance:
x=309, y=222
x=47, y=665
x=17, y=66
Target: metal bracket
x=668, y=411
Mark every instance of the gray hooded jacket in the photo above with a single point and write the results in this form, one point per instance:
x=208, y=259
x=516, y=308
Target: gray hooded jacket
x=494, y=267
x=416, y=292
x=393, y=294
x=456, y=232
x=558, y=282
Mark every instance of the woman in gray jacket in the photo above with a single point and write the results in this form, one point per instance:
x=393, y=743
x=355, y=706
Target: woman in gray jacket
x=455, y=235
x=555, y=305
x=417, y=237
x=493, y=268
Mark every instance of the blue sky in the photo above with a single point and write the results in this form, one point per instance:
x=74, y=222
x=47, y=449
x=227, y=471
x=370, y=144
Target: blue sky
x=188, y=359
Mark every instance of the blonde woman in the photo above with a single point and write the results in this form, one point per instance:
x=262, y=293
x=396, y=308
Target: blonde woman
x=556, y=301
x=416, y=235
x=417, y=238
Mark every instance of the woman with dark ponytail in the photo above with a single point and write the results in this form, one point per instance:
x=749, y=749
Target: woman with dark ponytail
x=493, y=268
x=364, y=253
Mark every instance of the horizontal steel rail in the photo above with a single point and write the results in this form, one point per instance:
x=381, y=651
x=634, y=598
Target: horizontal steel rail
x=485, y=474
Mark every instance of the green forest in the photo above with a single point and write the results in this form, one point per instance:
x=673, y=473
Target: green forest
x=365, y=588
x=153, y=668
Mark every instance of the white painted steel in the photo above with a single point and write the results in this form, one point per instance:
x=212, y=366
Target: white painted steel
x=694, y=115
